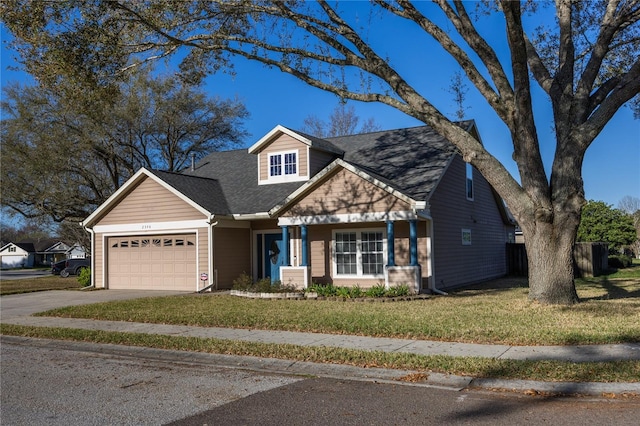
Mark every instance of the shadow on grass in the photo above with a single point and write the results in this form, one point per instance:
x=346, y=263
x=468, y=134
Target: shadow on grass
x=614, y=290
x=620, y=288
x=493, y=286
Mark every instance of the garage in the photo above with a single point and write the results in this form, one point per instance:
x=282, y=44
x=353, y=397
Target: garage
x=157, y=262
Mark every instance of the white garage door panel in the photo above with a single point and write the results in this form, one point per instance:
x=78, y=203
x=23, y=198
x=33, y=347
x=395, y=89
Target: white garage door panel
x=159, y=262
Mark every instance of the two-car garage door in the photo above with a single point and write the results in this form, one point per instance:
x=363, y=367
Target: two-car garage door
x=158, y=262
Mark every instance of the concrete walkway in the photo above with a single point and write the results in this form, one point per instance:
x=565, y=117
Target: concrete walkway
x=585, y=353
x=17, y=309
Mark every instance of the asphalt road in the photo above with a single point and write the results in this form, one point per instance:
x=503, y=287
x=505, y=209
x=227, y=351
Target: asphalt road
x=42, y=386
x=19, y=274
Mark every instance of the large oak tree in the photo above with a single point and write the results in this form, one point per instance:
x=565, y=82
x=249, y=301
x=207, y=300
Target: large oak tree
x=64, y=153
x=586, y=63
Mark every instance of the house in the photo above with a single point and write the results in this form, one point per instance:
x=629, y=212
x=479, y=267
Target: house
x=387, y=207
x=30, y=253
x=15, y=256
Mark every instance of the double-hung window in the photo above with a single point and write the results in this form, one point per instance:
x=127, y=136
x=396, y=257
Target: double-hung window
x=275, y=165
x=359, y=253
x=290, y=163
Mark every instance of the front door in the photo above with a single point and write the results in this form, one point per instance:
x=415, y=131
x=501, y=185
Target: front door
x=273, y=258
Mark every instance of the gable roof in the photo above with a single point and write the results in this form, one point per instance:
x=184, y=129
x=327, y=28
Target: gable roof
x=198, y=192
x=312, y=141
x=237, y=173
x=339, y=163
x=408, y=163
x=411, y=160
x=205, y=192
x=28, y=249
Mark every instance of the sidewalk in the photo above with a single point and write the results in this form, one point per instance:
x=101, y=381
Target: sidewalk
x=584, y=353
x=17, y=310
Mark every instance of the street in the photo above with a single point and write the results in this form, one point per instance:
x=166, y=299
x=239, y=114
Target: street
x=19, y=274
x=41, y=386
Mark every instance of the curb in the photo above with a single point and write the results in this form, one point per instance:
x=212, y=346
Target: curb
x=335, y=371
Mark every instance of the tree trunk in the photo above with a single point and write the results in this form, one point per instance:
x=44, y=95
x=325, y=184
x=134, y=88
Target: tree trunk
x=550, y=257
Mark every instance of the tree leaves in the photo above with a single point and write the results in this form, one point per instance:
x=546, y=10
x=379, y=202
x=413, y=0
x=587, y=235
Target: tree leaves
x=63, y=156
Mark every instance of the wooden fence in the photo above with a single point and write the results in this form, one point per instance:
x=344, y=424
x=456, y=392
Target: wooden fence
x=589, y=259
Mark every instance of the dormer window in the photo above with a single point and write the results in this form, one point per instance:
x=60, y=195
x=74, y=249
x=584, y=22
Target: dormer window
x=283, y=166
x=290, y=163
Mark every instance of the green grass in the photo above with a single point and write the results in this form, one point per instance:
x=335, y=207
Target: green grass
x=496, y=312
x=622, y=371
x=47, y=282
x=631, y=272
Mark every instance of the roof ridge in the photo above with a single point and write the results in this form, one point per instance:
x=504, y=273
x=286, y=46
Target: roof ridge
x=182, y=173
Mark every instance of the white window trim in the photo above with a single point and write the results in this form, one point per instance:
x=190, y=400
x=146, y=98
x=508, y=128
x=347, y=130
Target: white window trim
x=469, y=177
x=293, y=177
x=358, y=232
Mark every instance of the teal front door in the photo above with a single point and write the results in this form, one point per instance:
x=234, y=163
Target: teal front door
x=273, y=258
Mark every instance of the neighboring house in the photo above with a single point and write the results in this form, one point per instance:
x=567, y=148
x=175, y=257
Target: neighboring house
x=76, y=251
x=30, y=253
x=13, y=255
x=392, y=207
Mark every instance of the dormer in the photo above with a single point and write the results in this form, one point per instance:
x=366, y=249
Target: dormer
x=285, y=155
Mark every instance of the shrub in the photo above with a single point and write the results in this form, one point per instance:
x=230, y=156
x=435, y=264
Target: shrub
x=343, y=292
x=245, y=283
x=377, y=290
x=619, y=261
x=356, y=291
x=84, y=277
x=323, y=290
x=397, y=291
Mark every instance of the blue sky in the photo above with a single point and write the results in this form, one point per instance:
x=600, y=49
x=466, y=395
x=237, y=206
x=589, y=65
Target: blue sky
x=611, y=168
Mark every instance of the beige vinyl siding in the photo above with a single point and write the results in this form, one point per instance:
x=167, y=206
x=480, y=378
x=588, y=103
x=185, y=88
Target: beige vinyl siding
x=232, y=251
x=98, y=258
x=294, y=277
x=318, y=160
x=281, y=144
x=203, y=255
x=457, y=264
x=150, y=202
x=319, y=253
x=345, y=192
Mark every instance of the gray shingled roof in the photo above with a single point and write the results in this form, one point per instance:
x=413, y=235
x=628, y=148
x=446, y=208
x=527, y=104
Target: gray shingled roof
x=237, y=173
x=410, y=160
x=207, y=193
x=321, y=144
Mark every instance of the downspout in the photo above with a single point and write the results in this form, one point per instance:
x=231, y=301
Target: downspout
x=93, y=257
x=213, y=281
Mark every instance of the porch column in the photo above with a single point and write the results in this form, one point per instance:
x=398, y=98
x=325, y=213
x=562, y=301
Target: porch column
x=303, y=236
x=391, y=259
x=285, y=245
x=413, y=242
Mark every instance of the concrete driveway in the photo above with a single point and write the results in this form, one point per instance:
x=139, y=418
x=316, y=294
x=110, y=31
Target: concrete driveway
x=20, y=305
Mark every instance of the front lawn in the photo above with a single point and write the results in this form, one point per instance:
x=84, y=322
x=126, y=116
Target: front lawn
x=47, y=282
x=495, y=312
